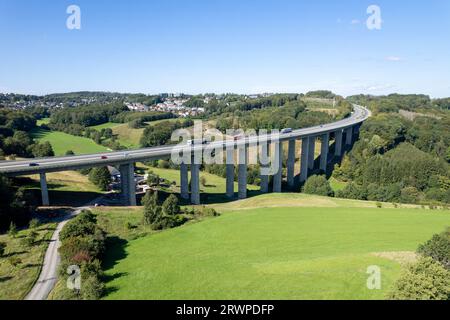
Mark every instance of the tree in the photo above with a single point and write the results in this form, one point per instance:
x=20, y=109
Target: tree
x=423, y=280
x=318, y=185
x=12, y=231
x=152, y=211
x=203, y=181
x=438, y=248
x=34, y=223
x=40, y=150
x=100, y=177
x=170, y=206
x=153, y=179
x=70, y=153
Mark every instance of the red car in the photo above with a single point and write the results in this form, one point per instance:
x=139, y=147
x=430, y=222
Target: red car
x=104, y=157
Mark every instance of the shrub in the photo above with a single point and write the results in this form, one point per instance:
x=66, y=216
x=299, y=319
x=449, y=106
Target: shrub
x=379, y=205
x=34, y=223
x=170, y=206
x=12, y=231
x=14, y=261
x=203, y=181
x=100, y=177
x=438, y=248
x=209, y=212
x=91, y=288
x=2, y=248
x=82, y=225
x=318, y=185
x=163, y=164
x=423, y=280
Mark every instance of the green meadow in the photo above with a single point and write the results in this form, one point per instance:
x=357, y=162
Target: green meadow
x=62, y=142
x=315, y=250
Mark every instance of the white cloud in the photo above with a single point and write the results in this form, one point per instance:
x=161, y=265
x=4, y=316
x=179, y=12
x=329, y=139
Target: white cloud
x=393, y=58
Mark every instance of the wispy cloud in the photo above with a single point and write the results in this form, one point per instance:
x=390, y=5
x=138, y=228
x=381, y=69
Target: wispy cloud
x=393, y=58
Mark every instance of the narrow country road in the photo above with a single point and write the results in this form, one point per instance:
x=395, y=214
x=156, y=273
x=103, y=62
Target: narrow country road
x=49, y=273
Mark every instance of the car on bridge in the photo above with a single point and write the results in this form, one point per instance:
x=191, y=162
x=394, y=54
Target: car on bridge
x=34, y=164
x=286, y=130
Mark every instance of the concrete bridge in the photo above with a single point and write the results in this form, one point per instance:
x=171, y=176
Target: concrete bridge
x=344, y=133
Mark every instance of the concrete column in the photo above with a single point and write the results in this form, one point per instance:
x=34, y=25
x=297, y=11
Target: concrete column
x=349, y=136
x=184, y=181
x=312, y=148
x=278, y=176
x=195, y=183
x=128, y=184
x=304, y=160
x=230, y=172
x=291, y=163
x=338, y=143
x=242, y=172
x=44, y=190
x=324, y=151
x=264, y=160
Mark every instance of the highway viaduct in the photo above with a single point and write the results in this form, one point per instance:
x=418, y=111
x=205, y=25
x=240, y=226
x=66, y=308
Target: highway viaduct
x=344, y=132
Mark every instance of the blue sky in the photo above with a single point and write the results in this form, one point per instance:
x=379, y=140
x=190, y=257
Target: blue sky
x=242, y=46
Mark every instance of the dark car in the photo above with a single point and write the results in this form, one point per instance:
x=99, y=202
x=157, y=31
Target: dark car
x=104, y=157
x=34, y=164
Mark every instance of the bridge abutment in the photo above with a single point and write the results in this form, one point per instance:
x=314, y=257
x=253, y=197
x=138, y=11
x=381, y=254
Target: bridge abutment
x=304, y=160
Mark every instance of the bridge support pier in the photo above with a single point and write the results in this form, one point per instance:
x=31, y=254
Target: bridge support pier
x=230, y=172
x=264, y=168
x=184, y=181
x=324, y=152
x=304, y=160
x=195, y=183
x=44, y=189
x=291, y=164
x=242, y=172
x=338, y=143
x=349, y=136
x=312, y=148
x=128, y=184
x=278, y=175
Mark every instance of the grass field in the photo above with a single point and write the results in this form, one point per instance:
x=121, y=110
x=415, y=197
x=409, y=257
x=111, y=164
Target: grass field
x=68, y=188
x=42, y=121
x=312, y=251
x=16, y=281
x=62, y=142
x=214, y=184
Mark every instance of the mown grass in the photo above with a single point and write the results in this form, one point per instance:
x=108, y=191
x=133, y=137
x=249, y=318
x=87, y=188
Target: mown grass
x=303, y=252
x=62, y=142
x=17, y=281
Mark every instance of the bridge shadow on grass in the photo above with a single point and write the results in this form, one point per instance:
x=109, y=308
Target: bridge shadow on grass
x=71, y=198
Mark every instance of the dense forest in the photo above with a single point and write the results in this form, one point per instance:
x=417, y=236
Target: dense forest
x=399, y=160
